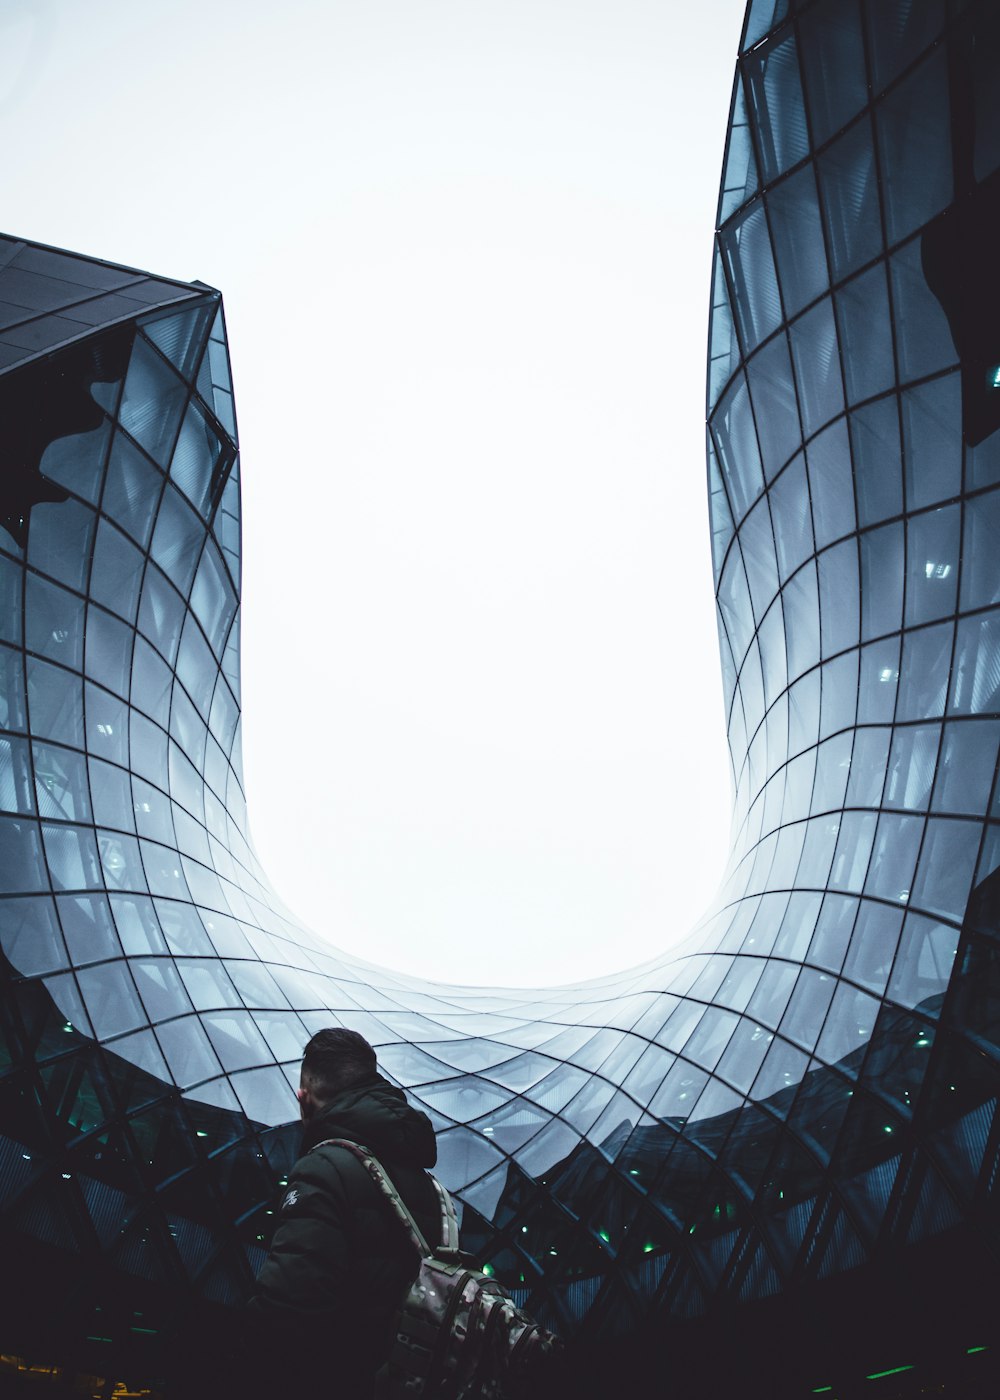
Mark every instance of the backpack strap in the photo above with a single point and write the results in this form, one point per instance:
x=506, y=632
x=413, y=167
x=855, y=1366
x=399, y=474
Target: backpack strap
x=378, y=1174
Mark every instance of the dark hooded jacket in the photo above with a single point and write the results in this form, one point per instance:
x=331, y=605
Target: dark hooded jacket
x=339, y=1261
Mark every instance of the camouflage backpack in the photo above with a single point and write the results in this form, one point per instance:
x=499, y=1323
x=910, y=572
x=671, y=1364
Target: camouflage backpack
x=457, y=1333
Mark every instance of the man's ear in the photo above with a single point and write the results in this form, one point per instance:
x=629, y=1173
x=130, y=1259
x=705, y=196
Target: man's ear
x=307, y=1104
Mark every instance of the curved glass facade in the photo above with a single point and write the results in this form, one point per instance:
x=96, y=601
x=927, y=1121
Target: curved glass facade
x=811, y=1079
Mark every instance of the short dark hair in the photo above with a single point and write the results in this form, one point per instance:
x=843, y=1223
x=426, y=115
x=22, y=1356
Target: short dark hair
x=336, y=1059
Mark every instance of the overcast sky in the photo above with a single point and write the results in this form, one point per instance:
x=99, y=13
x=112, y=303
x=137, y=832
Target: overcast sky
x=465, y=248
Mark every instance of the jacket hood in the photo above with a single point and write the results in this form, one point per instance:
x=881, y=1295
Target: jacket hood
x=375, y=1114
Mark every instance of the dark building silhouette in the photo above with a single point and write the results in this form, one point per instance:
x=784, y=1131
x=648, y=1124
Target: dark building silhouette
x=773, y=1147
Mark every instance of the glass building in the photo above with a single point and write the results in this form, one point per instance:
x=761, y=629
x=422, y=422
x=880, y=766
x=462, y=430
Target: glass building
x=800, y=1100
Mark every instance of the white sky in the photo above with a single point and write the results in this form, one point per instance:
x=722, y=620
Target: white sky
x=465, y=250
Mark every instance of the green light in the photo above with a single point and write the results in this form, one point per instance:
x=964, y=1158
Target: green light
x=893, y=1371
x=969, y=1351
x=648, y=1248
x=632, y=1171
x=68, y=1026
x=200, y=1133
x=603, y=1234
x=98, y=1339
x=820, y=1389
x=488, y=1269
x=149, y=1331
x=993, y=377
x=887, y=1129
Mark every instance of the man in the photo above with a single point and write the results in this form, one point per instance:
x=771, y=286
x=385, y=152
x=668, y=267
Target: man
x=340, y=1262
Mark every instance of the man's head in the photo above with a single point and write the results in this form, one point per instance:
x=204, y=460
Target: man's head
x=335, y=1059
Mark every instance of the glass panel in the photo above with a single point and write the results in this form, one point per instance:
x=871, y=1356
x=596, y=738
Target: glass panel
x=915, y=144
x=160, y=988
x=924, y=961
x=775, y=94
x=808, y=1006
x=854, y=844
x=739, y=181
x=838, y=594
x=866, y=335
x=213, y=599
x=890, y=875
x=980, y=555
x=803, y=713
x=131, y=490
x=152, y=681
x=965, y=773
x=734, y=603
x=879, y=681
x=849, y=190
x=878, y=462
x=947, y=863
x=187, y=1050
x=791, y=518
x=148, y=749
x=976, y=680
x=923, y=337
x=801, y=607
x=152, y=812
x=932, y=564
x=108, y=651
x=196, y=667
x=814, y=866
x=77, y=462
x=830, y=480
x=184, y=930
x=762, y=17
x=923, y=680
x=773, y=392
x=757, y=543
x=116, y=573
x=911, y=766
x=816, y=355
x=29, y=932
x=137, y=925
x=833, y=65
x=180, y=336
x=833, y=762
x=120, y=862
x=932, y=440
x=839, y=680
x=798, y=240
x=71, y=853
x=881, y=580
x=161, y=615
x=177, y=539
x=739, y=456
x=849, y=1025
x=783, y=1068
x=53, y=622
x=12, y=695
x=868, y=767
x=152, y=402
x=60, y=539
x=22, y=865
x=61, y=783
x=746, y=249
x=833, y=932
x=88, y=927
x=107, y=725
x=111, y=1000
x=900, y=30
x=719, y=513
x=16, y=786
x=207, y=983
x=237, y=1041
x=196, y=458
